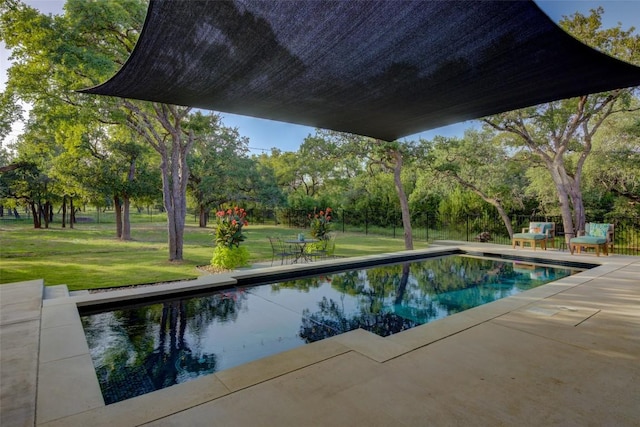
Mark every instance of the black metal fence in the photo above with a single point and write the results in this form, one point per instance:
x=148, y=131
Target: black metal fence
x=431, y=227
x=426, y=226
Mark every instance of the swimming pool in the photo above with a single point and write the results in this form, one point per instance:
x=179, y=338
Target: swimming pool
x=147, y=346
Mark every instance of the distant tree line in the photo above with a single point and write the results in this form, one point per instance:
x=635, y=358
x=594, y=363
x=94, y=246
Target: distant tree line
x=575, y=158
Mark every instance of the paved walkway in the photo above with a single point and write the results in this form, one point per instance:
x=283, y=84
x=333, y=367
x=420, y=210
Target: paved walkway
x=567, y=353
x=20, y=308
x=570, y=359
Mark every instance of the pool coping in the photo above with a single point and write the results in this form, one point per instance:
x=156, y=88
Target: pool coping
x=65, y=363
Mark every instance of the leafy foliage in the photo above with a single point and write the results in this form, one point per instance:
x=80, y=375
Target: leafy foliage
x=230, y=257
x=229, y=227
x=320, y=223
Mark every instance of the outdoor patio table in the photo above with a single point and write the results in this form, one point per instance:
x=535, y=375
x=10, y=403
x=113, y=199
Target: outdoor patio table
x=301, y=254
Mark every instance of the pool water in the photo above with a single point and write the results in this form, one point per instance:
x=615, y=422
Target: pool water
x=146, y=347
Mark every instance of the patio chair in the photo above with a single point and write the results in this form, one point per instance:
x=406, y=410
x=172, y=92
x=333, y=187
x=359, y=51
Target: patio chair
x=595, y=235
x=324, y=249
x=538, y=233
x=279, y=250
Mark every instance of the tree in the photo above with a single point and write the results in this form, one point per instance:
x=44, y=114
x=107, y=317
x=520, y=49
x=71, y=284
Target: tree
x=57, y=55
x=482, y=166
x=266, y=190
x=28, y=185
x=388, y=156
x=10, y=112
x=613, y=167
x=219, y=172
x=173, y=142
x=33, y=182
x=391, y=157
x=560, y=134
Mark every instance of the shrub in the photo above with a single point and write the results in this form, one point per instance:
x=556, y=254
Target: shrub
x=230, y=258
x=228, y=254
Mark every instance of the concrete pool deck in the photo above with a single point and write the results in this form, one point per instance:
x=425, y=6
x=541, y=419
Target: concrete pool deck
x=564, y=353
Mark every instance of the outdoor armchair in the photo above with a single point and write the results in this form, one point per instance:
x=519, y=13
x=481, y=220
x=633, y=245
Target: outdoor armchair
x=595, y=235
x=279, y=250
x=538, y=233
x=325, y=248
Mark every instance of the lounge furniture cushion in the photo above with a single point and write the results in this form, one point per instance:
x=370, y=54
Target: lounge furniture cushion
x=589, y=240
x=540, y=227
x=530, y=236
x=598, y=230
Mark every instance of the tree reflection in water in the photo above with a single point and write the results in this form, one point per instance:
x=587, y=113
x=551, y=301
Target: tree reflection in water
x=372, y=315
x=394, y=298
x=144, y=349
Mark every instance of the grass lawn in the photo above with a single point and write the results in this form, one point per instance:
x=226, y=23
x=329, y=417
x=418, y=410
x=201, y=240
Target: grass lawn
x=88, y=256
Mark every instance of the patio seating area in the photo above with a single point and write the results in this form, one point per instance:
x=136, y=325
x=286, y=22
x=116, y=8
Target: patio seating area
x=301, y=249
x=563, y=353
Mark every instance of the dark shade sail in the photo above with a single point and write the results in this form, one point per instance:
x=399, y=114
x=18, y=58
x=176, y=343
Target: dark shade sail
x=384, y=69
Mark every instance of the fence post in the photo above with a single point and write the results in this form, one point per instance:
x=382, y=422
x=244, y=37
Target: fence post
x=467, y=227
x=427, y=227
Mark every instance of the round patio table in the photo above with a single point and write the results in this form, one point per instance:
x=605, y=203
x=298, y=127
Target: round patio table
x=301, y=254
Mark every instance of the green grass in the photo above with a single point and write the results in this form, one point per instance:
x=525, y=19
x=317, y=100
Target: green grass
x=88, y=256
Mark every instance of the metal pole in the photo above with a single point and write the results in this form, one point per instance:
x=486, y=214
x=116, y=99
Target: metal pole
x=467, y=227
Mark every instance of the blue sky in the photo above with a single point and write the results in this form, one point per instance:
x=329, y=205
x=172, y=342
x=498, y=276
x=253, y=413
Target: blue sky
x=265, y=134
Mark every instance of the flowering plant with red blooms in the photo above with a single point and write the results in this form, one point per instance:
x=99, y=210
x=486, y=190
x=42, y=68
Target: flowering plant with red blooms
x=229, y=227
x=320, y=223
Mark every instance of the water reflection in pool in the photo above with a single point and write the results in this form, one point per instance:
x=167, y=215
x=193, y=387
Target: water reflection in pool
x=142, y=348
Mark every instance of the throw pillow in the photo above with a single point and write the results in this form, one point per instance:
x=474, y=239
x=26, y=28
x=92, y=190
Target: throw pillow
x=599, y=230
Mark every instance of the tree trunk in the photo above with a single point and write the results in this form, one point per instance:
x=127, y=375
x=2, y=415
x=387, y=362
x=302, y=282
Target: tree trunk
x=44, y=213
x=64, y=211
x=117, y=206
x=176, y=204
x=203, y=214
x=175, y=171
x=404, y=203
x=35, y=213
x=72, y=213
x=126, y=223
x=565, y=210
x=167, y=199
x=567, y=195
x=505, y=218
x=578, y=211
